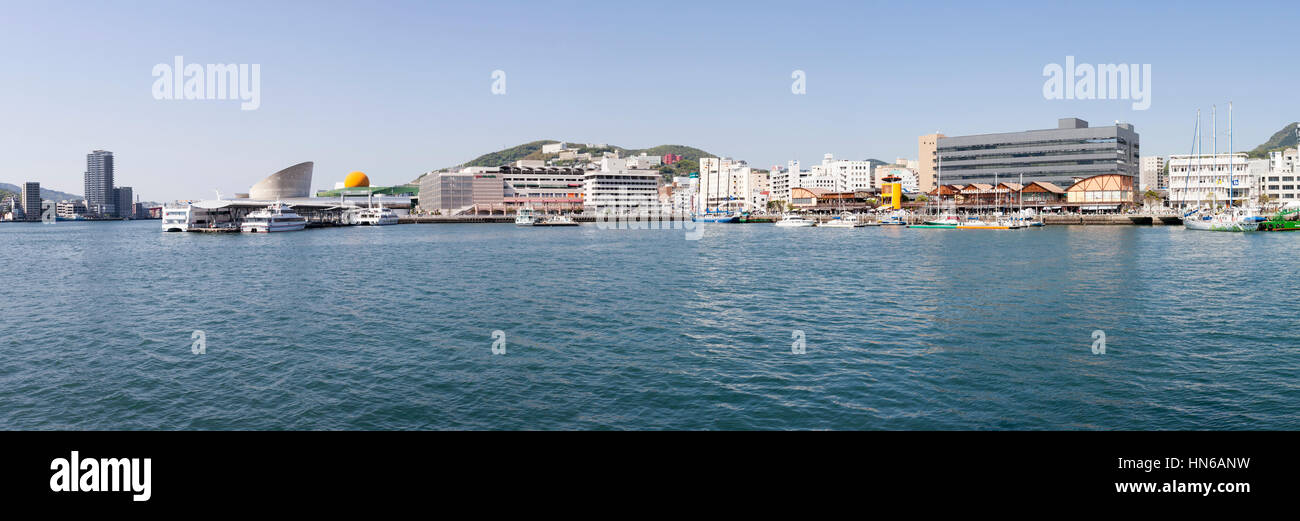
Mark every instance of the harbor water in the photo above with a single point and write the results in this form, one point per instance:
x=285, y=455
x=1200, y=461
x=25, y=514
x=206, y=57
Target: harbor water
x=393, y=328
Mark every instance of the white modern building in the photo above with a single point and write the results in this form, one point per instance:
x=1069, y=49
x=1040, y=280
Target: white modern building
x=617, y=188
x=907, y=176
x=1280, y=183
x=724, y=185
x=841, y=175
x=644, y=161
x=1204, y=180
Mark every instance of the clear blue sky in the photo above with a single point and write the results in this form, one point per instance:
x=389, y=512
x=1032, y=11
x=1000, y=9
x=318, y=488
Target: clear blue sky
x=396, y=89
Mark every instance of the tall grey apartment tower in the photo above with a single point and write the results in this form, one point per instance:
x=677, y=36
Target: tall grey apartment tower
x=99, y=183
x=1058, y=156
x=32, y=201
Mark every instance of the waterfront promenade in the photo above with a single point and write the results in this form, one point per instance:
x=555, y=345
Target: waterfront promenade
x=1145, y=219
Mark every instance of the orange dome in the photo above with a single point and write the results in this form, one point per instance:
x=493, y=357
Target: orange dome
x=356, y=180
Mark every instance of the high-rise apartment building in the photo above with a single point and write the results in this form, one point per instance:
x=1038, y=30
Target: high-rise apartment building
x=32, y=201
x=1153, y=168
x=99, y=183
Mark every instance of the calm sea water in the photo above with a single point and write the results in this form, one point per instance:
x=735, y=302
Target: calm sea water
x=391, y=328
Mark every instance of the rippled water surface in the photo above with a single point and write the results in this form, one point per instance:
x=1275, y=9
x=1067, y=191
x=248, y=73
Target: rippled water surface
x=391, y=328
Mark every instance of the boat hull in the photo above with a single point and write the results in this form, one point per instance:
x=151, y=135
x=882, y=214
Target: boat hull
x=1220, y=226
x=708, y=219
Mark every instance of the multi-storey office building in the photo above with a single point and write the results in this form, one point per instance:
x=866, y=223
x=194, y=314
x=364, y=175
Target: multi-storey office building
x=451, y=193
x=1071, y=151
x=616, y=188
x=543, y=188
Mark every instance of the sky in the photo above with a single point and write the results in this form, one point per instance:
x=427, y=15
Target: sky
x=396, y=89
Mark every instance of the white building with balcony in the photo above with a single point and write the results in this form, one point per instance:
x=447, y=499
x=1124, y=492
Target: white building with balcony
x=1205, y=180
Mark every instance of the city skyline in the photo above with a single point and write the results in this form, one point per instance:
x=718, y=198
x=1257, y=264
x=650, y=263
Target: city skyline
x=399, y=91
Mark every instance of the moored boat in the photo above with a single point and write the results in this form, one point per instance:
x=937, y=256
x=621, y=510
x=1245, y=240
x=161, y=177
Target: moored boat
x=795, y=221
x=275, y=218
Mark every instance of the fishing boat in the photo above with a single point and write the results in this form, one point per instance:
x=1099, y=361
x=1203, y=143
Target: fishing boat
x=846, y=220
x=795, y=221
x=1282, y=221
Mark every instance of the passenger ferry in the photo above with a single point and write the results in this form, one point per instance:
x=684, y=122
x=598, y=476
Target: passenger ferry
x=555, y=220
x=376, y=216
x=526, y=217
x=275, y=218
x=176, y=218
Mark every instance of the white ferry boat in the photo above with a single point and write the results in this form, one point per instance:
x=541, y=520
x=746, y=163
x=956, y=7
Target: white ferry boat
x=526, y=217
x=275, y=218
x=176, y=218
x=376, y=216
x=555, y=220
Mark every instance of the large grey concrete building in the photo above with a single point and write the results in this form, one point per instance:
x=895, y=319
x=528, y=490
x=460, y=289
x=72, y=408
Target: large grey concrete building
x=124, y=199
x=32, y=201
x=1060, y=155
x=99, y=183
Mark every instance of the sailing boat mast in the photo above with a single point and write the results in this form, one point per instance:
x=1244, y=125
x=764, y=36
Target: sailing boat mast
x=1230, y=190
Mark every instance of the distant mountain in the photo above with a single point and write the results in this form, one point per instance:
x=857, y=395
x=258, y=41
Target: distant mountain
x=46, y=193
x=1282, y=139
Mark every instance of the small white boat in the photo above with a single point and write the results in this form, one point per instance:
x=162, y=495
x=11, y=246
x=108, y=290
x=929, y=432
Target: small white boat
x=275, y=218
x=847, y=220
x=974, y=223
x=795, y=221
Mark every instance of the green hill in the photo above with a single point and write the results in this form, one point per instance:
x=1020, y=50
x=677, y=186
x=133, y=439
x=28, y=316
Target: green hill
x=533, y=150
x=509, y=155
x=1282, y=139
